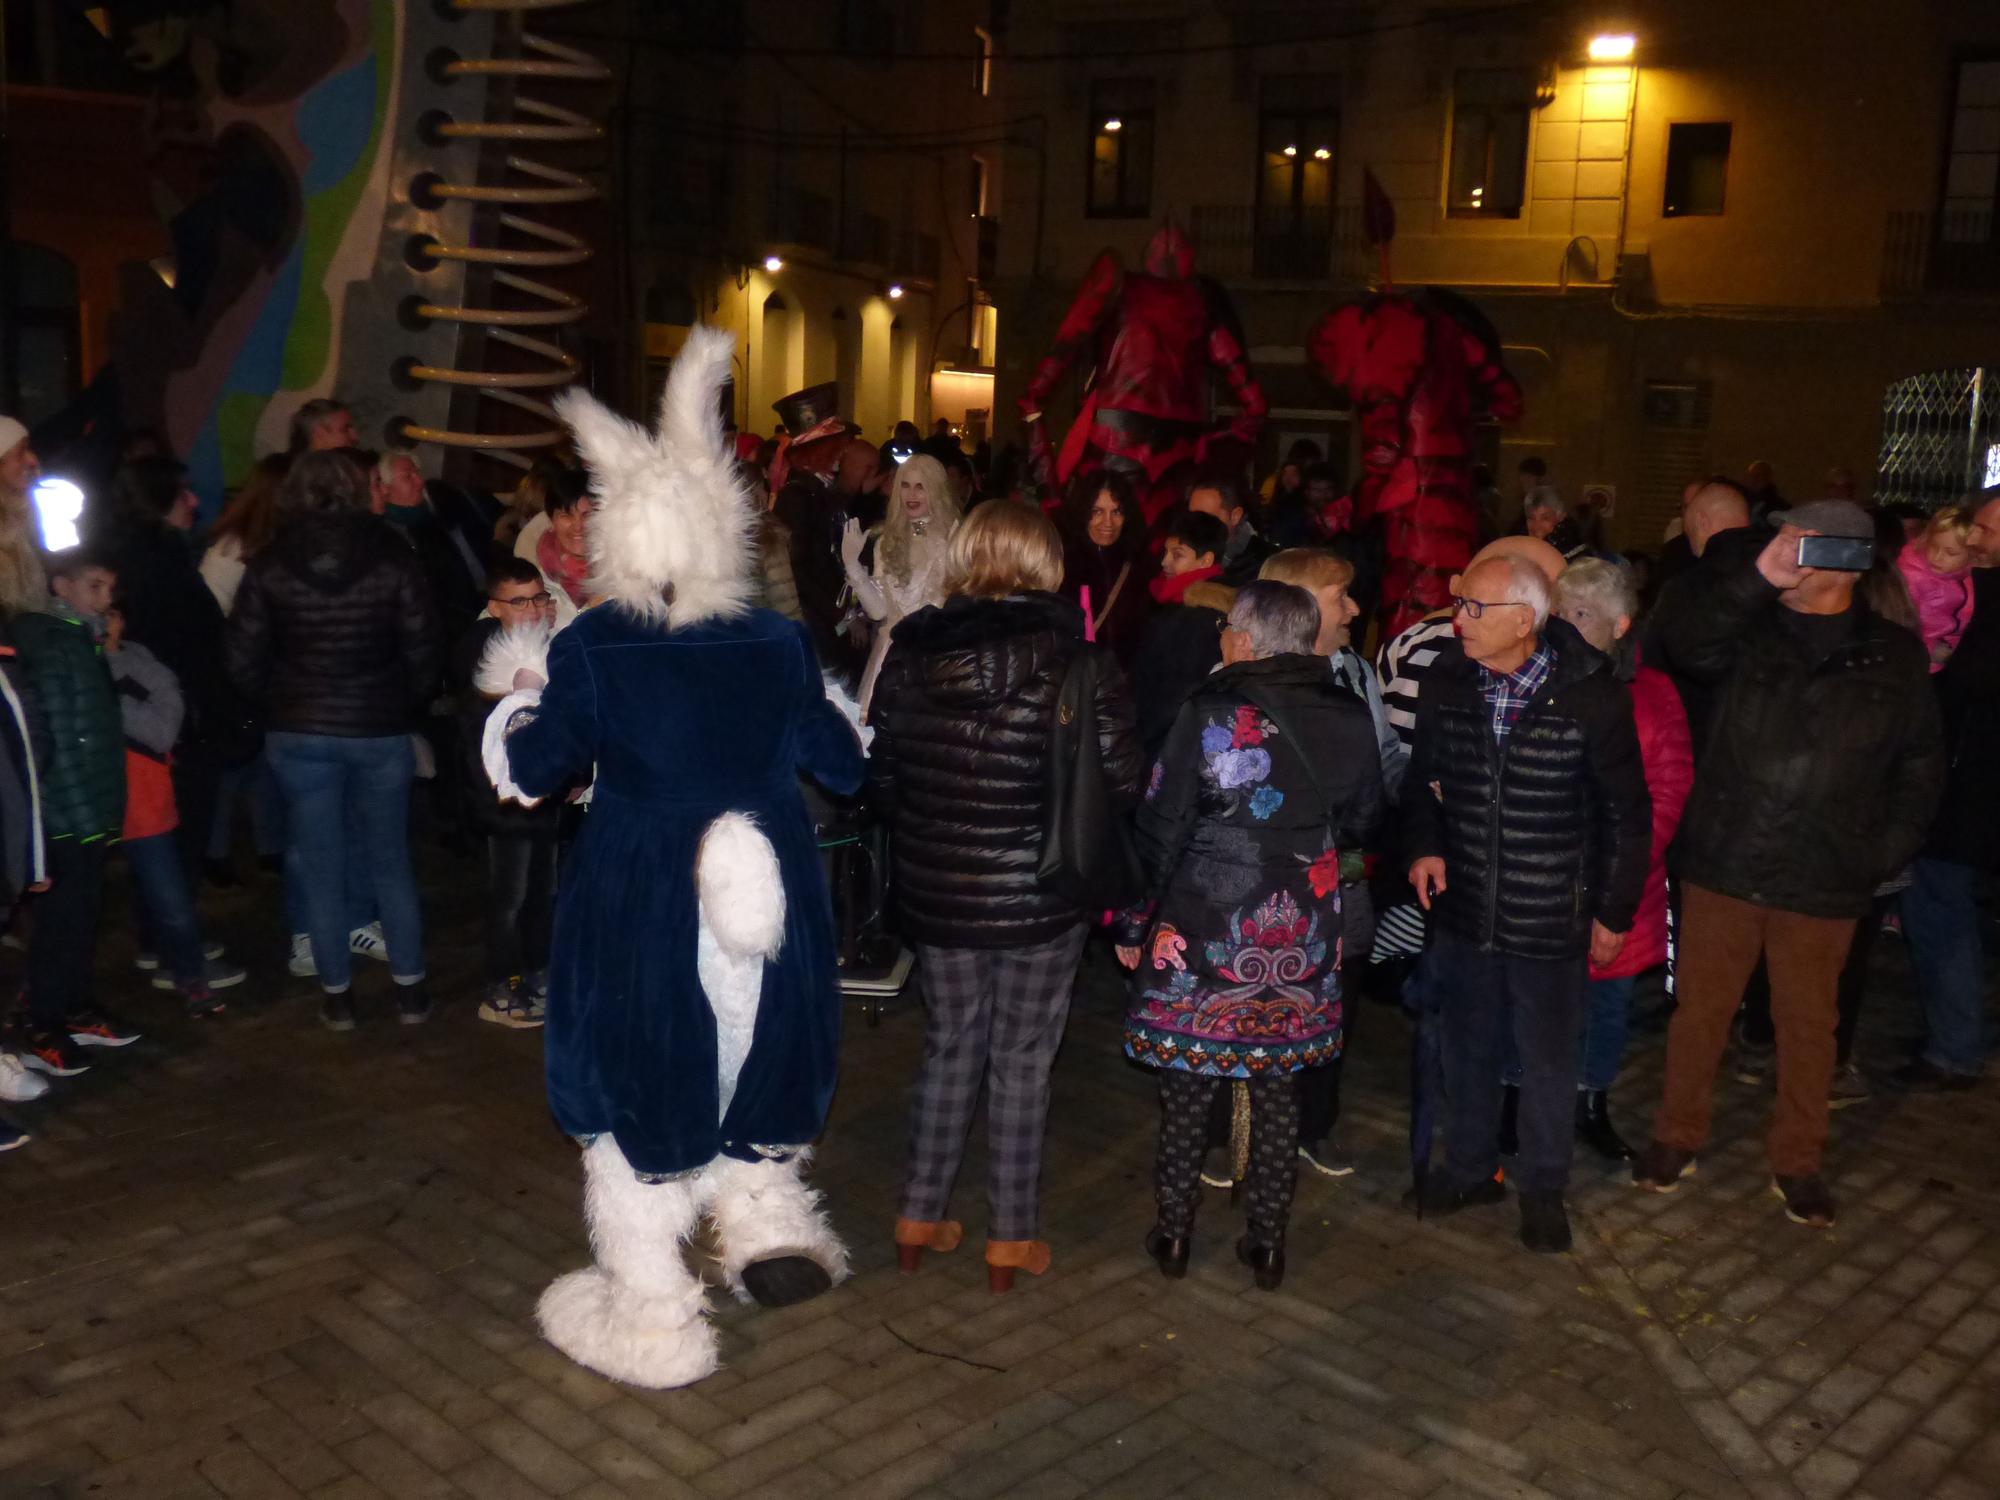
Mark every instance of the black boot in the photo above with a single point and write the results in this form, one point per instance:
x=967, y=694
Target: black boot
x=1544, y=1223
x=1595, y=1130
x=1266, y=1263
x=1169, y=1252
x=1510, y=1119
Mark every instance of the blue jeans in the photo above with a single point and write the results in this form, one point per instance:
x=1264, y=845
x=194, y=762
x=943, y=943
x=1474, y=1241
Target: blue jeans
x=347, y=801
x=1491, y=1001
x=1941, y=925
x=1607, y=1020
x=160, y=875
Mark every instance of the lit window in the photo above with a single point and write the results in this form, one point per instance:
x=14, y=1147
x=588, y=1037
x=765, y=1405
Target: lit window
x=1489, y=141
x=1121, y=149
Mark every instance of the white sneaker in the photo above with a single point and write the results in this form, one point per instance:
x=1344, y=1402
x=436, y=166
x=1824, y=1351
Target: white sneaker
x=368, y=942
x=302, y=965
x=17, y=1084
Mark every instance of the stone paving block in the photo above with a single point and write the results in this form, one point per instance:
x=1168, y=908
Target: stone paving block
x=394, y=1469
x=1826, y=1475
x=1912, y=1466
x=1733, y=1440
x=679, y=1452
x=530, y=1454
x=1969, y=1413
x=1927, y=1376
x=1970, y=1334
x=1761, y=1398
x=1874, y=1428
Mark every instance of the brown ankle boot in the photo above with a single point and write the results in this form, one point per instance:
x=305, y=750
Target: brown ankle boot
x=1005, y=1257
x=915, y=1236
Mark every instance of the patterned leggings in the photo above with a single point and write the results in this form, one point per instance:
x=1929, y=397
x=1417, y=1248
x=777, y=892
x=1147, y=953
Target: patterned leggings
x=1274, y=1151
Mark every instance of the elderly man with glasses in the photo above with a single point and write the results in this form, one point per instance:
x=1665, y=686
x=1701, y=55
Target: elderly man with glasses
x=1527, y=824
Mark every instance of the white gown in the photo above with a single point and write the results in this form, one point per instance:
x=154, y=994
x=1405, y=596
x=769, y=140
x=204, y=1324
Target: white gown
x=885, y=600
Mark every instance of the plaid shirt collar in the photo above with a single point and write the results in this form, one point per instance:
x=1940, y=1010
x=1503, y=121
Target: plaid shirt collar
x=1507, y=693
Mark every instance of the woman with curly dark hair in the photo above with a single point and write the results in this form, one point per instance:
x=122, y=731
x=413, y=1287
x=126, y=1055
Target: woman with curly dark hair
x=1104, y=551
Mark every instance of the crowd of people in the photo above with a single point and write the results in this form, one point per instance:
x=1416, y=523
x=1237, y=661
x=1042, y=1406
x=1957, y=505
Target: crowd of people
x=1737, y=760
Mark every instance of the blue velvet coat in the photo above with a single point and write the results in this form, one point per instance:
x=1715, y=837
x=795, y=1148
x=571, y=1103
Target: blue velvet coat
x=683, y=726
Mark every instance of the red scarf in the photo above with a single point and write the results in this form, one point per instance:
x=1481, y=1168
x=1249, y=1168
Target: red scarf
x=1167, y=590
x=570, y=572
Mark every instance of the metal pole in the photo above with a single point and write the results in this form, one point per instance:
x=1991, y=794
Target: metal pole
x=1975, y=453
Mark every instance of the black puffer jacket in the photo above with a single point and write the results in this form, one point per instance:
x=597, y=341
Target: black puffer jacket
x=1818, y=773
x=1540, y=835
x=334, y=630
x=960, y=764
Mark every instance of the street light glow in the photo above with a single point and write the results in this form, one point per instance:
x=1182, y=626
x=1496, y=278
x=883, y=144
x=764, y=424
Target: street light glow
x=1616, y=48
x=1322, y=154
x=895, y=291
x=774, y=264
x=1113, y=126
x=1291, y=150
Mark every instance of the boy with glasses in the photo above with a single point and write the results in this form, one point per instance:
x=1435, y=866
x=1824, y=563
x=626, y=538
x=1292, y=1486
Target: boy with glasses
x=521, y=842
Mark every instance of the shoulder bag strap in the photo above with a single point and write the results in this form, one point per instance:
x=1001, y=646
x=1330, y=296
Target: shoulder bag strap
x=1111, y=598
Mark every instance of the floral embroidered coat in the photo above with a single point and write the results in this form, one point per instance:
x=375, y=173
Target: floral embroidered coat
x=1240, y=940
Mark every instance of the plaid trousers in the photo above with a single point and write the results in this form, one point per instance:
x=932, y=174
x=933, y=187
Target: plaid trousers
x=996, y=1015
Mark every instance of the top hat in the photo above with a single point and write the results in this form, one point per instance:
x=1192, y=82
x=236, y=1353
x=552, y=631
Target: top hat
x=804, y=410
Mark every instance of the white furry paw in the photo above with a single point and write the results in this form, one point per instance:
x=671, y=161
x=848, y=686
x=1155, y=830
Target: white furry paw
x=511, y=652
x=656, y=1342
x=493, y=746
x=742, y=894
x=763, y=1210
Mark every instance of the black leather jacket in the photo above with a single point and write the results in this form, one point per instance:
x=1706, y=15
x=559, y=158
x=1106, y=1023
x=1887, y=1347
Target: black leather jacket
x=960, y=764
x=334, y=630
x=1817, y=774
x=1541, y=834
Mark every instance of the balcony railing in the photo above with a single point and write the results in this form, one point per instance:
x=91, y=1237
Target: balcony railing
x=1239, y=242
x=1952, y=252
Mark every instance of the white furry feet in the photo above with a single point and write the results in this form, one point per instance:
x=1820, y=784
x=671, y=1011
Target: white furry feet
x=764, y=1212
x=640, y=1314
x=606, y=1326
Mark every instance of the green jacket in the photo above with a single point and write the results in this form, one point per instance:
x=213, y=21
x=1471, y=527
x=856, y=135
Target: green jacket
x=83, y=780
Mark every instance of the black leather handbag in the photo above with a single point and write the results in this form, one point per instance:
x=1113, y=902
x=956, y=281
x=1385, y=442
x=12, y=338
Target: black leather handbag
x=1087, y=853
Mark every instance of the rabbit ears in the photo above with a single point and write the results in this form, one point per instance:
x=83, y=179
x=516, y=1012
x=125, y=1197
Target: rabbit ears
x=670, y=537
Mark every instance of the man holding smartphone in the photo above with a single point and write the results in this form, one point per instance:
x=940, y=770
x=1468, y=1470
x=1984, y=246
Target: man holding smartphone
x=1817, y=778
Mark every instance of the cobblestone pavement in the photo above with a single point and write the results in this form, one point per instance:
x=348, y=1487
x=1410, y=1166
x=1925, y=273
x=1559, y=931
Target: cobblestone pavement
x=256, y=1259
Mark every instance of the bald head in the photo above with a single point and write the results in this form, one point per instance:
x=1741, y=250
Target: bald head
x=1711, y=509
x=858, y=468
x=1533, y=551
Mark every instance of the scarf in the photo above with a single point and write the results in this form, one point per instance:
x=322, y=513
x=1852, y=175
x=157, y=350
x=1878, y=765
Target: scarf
x=571, y=572
x=1167, y=590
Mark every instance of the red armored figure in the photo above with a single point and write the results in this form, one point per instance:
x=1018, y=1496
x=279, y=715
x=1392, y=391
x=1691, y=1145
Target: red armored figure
x=1420, y=367
x=1151, y=338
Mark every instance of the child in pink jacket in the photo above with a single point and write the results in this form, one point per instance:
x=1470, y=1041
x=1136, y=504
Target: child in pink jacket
x=1937, y=565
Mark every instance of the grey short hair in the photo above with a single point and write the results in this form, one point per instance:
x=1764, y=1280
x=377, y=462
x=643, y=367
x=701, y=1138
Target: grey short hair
x=385, y=466
x=1545, y=497
x=1526, y=584
x=1280, y=618
x=1607, y=585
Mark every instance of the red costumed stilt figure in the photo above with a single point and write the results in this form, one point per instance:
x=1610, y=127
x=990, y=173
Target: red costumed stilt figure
x=1152, y=338
x=1420, y=367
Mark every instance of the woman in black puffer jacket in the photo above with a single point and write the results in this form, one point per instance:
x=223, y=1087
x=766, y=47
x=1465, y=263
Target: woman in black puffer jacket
x=335, y=635
x=960, y=764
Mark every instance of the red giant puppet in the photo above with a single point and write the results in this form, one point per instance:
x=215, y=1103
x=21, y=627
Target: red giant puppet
x=1151, y=337
x=1420, y=367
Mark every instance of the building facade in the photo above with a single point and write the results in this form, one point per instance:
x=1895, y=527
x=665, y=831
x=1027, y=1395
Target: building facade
x=1727, y=236
x=823, y=180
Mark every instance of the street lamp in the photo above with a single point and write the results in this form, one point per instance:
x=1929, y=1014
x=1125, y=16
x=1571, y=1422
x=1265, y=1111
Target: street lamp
x=774, y=264
x=895, y=291
x=1614, y=47
x=1113, y=126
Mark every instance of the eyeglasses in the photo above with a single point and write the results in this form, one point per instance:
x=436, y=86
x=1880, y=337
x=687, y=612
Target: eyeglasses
x=1472, y=609
x=533, y=600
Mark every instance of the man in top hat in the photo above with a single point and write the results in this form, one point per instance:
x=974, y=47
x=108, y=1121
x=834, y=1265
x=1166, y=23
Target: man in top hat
x=823, y=476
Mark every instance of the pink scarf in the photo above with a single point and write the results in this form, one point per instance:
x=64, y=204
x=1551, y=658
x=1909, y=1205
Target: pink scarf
x=570, y=572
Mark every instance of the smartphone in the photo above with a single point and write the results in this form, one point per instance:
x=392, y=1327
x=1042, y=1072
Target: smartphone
x=1839, y=554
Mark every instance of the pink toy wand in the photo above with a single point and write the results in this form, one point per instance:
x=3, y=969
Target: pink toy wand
x=1089, y=626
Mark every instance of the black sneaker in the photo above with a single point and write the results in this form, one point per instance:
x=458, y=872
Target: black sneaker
x=53, y=1053
x=93, y=1028
x=1441, y=1198
x=1544, y=1223
x=1807, y=1201
x=336, y=1012
x=1595, y=1130
x=413, y=1003
x=200, y=1002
